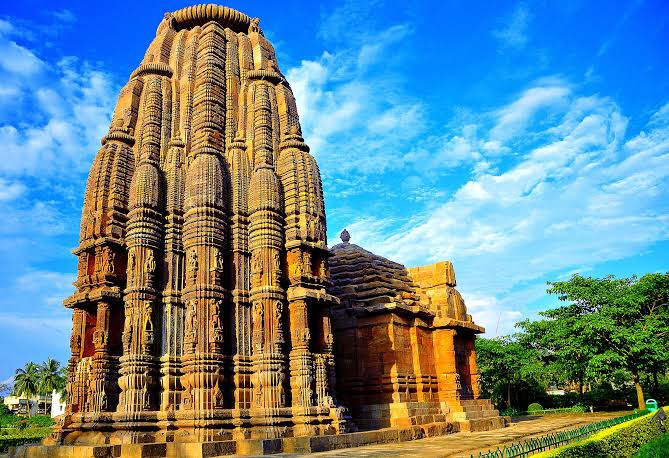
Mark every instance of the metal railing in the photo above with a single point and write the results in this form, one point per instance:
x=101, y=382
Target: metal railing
x=554, y=440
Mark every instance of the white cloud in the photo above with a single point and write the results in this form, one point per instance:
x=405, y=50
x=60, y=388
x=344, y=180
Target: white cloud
x=580, y=193
x=45, y=287
x=514, y=33
x=10, y=191
x=64, y=15
x=16, y=59
x=350, y=118
x=53, y=329
x=69, y=111
x=513, y=118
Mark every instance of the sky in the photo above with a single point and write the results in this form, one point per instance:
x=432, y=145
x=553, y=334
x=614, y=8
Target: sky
x=524, y=141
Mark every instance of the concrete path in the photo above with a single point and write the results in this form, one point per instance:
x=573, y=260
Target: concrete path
x=465, y=444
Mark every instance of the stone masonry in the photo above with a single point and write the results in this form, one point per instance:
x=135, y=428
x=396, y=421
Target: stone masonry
x=208, y=307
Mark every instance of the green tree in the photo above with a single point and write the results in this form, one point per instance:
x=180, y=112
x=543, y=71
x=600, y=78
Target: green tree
x=617, y=323
x=26, y=382
x=5, y=388
x=50, y=378
x=563, y=347
x=507, y=364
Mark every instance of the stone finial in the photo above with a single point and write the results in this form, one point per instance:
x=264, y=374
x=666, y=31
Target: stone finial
x=345, y=236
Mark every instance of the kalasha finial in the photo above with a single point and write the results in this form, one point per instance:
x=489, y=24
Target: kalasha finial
x=345, y=236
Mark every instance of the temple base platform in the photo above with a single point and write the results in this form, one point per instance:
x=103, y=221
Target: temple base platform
x=246, y=447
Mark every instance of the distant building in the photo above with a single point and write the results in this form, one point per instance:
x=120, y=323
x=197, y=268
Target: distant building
x=555, y=391
x=57, y=405
x=36, y=405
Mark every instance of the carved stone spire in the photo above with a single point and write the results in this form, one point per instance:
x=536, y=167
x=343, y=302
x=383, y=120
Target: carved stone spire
x=203, y=258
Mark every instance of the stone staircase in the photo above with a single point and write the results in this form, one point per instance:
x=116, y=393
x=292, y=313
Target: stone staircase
x=475, y=414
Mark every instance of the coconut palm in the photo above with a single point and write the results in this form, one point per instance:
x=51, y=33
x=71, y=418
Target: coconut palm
x=26, y=382
x=49, y=378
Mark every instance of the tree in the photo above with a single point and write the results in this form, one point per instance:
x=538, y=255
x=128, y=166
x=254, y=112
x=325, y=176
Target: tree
x=26, y=382
x=563, y=347
x=618, y=323
x=507, y=365
x=5, y=387
x=50, y=375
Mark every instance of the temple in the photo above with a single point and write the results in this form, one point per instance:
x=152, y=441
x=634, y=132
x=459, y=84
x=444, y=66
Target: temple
x=404, y=344
x=208, y=306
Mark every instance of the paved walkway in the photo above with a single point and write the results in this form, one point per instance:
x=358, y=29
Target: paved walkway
x=466, y=444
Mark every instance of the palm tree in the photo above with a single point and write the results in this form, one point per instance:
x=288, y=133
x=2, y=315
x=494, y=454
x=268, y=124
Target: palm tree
x=26, y=382
x=49, y=378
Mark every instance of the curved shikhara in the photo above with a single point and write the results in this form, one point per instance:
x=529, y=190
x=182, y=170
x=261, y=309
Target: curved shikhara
x=201, y=288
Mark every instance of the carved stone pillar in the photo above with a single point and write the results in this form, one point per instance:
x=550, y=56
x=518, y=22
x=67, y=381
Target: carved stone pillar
x=301, y=365
x=75, y=401
x=239, y=276
x=268, y=297
x=206, y=235
x=144, y=239
x=325, y=369
x=103, y=386
x=173, y=279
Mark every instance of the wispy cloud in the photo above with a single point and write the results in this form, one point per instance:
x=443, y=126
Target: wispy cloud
x=52, y=115
x=64, y=15
x=580, y=193
x=629, y=11
x=514, y=33
x=340, y=104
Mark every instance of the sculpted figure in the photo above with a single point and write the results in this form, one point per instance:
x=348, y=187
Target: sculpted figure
x=258, y=330
x=191, y=318
x=193, y=264
x=109, y=261
x=216, y=331
x=131, y=266
x=256, y=269
x=298, y=265
x=148, y=322
x=150, y=267
x=127, y=336
x=219, y=260
x=255, y=25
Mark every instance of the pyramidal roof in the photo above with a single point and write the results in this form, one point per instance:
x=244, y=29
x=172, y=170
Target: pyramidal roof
x=364, y=280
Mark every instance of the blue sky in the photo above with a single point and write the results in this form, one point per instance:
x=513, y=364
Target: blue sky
x=524, y=141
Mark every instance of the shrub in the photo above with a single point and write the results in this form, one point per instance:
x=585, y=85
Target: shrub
x=28, y=436
x=578, y=408
x=655, y=449
x=40, y=421
x=620, y=441
x=535, y=406
x=511, y=412
x=8, y=420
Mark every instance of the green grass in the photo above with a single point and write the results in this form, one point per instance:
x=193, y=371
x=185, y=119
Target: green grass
x=659, y=448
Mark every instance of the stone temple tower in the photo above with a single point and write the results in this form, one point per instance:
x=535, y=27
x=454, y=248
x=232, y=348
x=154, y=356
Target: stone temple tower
x=201, y=309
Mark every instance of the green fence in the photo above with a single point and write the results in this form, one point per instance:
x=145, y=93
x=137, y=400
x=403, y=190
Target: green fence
x=554, y=440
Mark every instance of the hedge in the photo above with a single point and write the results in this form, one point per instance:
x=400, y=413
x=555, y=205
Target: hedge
x=21, y=437
x=620, y=441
